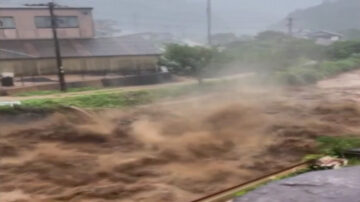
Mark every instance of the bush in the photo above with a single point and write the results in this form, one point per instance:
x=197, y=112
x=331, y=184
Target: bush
x=299, y=75
x=337, y=145
x=272, y=51
x=343, y=49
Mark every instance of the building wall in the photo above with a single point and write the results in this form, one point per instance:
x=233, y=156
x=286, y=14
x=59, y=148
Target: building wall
x=125, y=64
x=26, y=28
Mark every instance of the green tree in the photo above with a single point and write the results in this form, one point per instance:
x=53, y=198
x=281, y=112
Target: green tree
x=271, y=51
x=187, y=60
x=352, y=34
x=343, y=49
x=271, y=36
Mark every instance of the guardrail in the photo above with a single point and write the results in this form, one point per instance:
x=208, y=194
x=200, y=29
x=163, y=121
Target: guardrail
x=230, y=193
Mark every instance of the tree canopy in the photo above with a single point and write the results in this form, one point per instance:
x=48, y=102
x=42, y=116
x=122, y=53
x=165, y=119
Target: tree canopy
x=187, y=60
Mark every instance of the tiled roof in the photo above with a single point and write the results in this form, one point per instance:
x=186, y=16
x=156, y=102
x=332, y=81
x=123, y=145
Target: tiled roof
x=95, y=47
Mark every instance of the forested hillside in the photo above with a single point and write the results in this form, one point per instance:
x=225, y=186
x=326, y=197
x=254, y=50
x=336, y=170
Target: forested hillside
x=334, y=15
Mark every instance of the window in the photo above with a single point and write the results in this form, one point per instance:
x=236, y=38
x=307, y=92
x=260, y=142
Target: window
x=7, y=23
x=62, y=22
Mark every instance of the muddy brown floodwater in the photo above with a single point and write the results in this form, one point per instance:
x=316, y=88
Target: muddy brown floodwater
x=166, y=152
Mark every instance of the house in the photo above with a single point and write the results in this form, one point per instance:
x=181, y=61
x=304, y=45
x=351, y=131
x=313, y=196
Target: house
x=27, y=48
x=320, y=37
x=325, y=37
x=27, y=22
x=125, y=55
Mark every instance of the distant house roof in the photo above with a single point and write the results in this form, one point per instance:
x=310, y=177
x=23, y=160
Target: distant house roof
x=323, y=34
x=95, y=47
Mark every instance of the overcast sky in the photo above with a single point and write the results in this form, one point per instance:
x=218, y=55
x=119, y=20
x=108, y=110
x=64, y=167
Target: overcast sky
x=188, y=16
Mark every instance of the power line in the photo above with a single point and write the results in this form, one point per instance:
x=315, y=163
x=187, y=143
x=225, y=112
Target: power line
x=16, y=53
x=209, y=22
x=290, y=26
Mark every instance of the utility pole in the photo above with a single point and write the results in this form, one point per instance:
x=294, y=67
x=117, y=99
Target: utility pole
x=290, y=26
x=61, y=73
x=60, y=67
x=209, y=22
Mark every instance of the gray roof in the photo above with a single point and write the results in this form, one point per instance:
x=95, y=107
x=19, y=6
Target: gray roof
x=323, y=33
x=95, y=47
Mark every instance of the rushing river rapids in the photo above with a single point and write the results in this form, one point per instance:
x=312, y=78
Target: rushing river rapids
x=165, y=152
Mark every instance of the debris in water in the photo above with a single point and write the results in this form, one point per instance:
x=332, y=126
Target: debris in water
x=329, y=162
x=10, y=103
